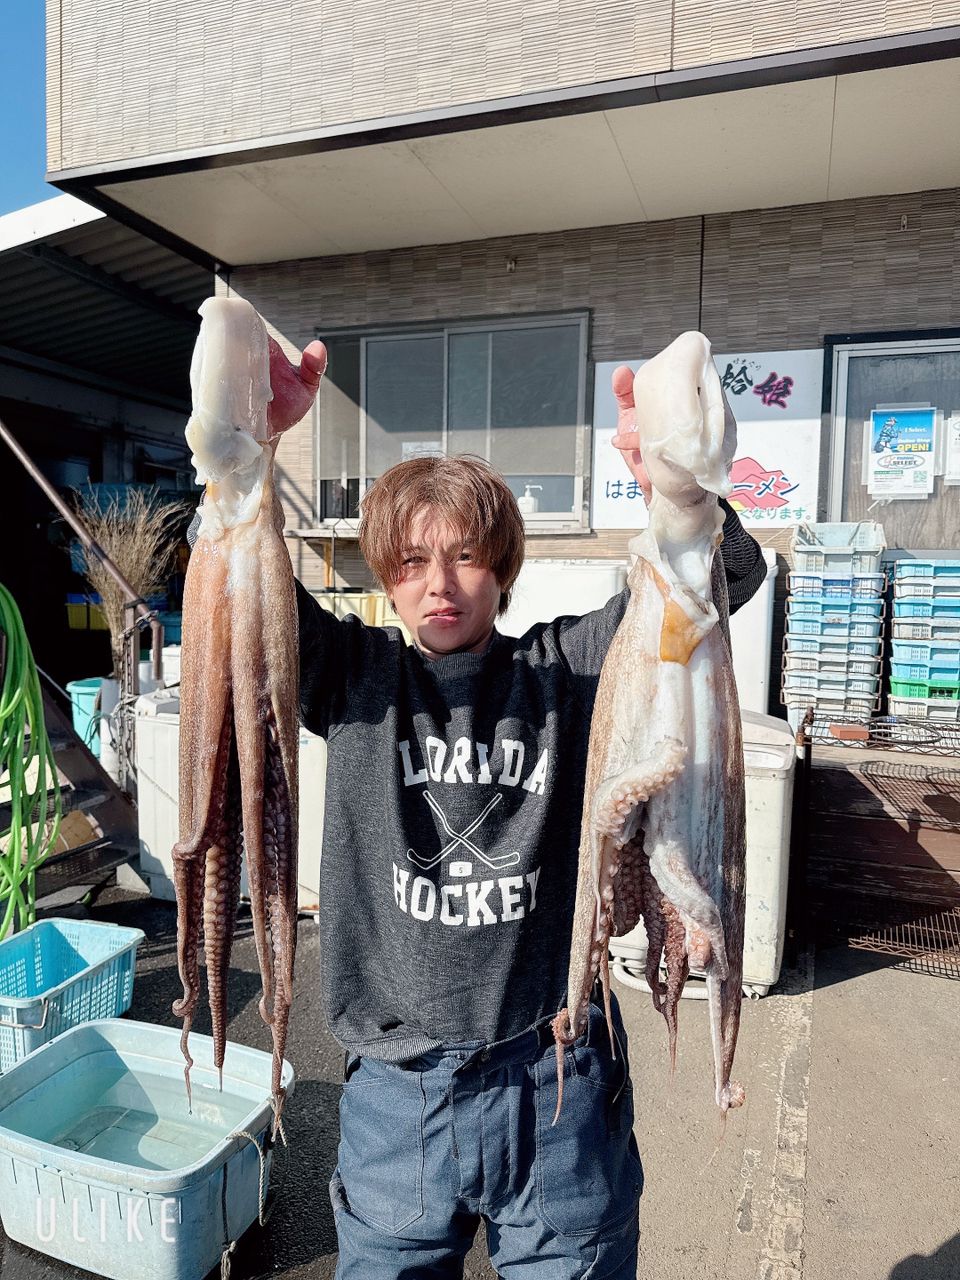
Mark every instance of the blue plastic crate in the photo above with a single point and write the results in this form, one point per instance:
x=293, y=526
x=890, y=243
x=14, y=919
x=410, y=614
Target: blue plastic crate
x=926, y=568
x=833, y=586
x=943, y=609
x=925, y=672
x=839, y=609
x=833, y=626
x=172, y=627
x=932, y=661
x=842, y=646
x=58, y=973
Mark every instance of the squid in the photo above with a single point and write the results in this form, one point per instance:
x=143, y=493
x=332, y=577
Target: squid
x=239, y=692
x=663, y=829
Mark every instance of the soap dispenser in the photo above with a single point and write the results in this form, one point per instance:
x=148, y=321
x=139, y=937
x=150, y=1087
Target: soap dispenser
x=528, y=504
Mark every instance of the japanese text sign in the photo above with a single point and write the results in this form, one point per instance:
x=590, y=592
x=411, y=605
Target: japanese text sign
x=775, y=398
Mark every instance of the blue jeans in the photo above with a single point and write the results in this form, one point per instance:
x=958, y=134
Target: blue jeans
x=463, y=1133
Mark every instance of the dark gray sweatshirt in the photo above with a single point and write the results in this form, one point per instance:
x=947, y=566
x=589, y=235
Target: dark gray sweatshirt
x=452, y=822
x=452, y=828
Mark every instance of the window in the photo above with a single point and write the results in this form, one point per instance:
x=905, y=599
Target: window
x=512, y=392
x=889, y=377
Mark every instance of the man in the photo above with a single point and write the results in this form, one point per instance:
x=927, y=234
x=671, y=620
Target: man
x=454, y=791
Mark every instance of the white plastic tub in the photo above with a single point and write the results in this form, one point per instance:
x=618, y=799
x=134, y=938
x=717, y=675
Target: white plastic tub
x=104, y=1167
x=770, y=758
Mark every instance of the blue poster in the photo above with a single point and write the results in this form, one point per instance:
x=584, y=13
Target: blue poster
x=902, y=452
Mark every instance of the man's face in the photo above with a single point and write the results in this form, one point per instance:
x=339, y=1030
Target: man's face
x=447, y=601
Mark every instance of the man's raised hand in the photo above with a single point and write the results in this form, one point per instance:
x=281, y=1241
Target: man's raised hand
x=294, y=387
x=626, y=439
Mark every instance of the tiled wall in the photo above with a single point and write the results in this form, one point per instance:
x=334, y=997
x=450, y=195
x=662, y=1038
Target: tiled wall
x=127, y=80
x=772, y=279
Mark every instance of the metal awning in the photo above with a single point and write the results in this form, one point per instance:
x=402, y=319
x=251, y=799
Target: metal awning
x=86, y=293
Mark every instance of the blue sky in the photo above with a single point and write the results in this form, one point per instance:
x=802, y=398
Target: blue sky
x=22, y=107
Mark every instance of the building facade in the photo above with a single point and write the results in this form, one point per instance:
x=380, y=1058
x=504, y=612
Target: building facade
x=482, y=209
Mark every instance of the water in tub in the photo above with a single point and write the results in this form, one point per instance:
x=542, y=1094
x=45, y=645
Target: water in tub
x=117, y=1109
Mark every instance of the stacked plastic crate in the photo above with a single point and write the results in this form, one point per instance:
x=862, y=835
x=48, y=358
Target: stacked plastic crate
x=925, y=658
x=832, y=645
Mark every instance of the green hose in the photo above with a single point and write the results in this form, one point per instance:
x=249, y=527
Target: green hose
x=25, y=753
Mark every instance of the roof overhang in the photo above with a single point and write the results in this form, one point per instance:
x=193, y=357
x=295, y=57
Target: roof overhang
x=857, y=120
x=91, y=300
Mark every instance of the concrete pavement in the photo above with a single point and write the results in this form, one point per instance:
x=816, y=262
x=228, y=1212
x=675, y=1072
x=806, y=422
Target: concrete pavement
x=842, y=1164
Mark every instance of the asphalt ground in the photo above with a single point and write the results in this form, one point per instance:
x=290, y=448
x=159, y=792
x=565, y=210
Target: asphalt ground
x=841, y=1165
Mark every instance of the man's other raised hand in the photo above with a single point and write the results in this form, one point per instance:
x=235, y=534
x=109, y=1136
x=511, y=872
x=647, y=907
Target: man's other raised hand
x=294, y=386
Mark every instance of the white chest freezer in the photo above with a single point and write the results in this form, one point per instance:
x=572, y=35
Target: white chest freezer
x=770, y=759
x=751, y=632
x=157, y=751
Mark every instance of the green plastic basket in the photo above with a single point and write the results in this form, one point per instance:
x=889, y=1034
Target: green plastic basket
x=946, y=691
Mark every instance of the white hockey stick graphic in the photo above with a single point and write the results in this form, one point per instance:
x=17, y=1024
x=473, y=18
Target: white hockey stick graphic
x=462, y=838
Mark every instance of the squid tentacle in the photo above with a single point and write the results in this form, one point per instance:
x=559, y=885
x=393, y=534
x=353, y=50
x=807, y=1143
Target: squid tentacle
x=191, y=862
x=221, y=900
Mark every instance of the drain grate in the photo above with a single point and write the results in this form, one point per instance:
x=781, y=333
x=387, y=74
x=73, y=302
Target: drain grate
x=926, y=944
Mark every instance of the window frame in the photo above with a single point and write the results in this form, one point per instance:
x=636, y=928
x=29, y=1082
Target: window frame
x=578, y=520
x=839, y=350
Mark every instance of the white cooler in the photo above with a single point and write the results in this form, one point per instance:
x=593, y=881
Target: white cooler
x=157, y=752
x=770, y=758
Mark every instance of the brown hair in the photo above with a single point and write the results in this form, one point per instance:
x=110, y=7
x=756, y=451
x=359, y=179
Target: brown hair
x=465, y=493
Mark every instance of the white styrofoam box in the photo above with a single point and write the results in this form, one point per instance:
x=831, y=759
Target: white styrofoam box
x=548, y=589
x=751, y=639
x=157, y=755
x=770, y=759
x=171, y=664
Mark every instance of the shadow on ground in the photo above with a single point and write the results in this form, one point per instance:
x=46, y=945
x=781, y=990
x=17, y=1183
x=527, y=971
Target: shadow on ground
x=299, y=1230
x=942, y=1265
